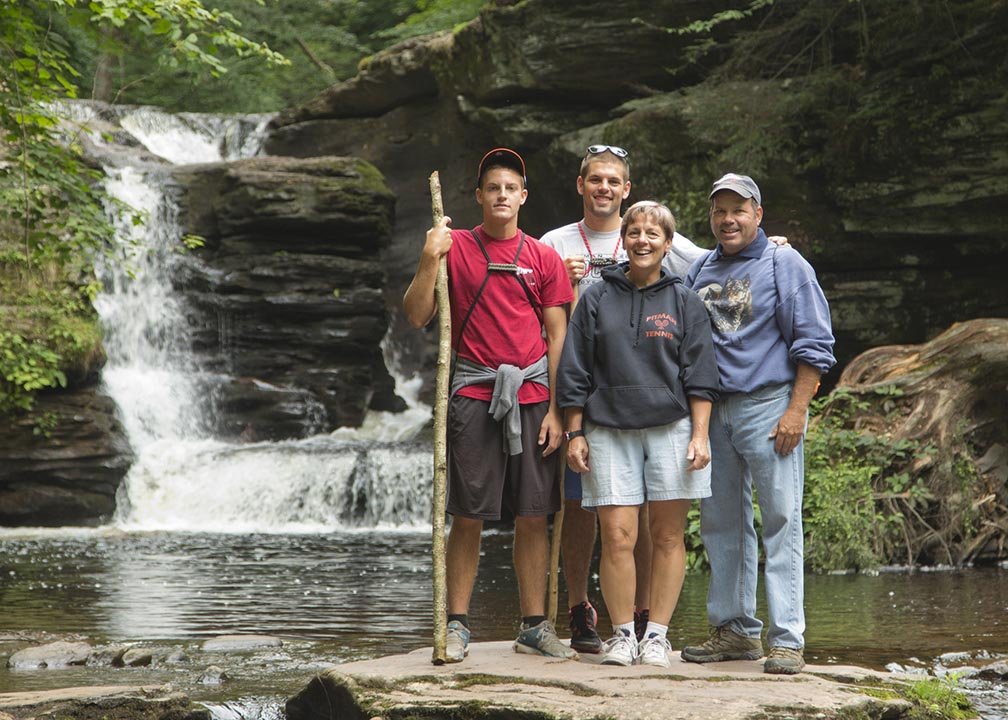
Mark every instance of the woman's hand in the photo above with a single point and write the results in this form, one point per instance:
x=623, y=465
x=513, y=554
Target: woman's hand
x=698, y=454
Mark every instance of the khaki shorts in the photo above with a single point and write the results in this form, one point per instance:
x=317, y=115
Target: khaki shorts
x=482, y=477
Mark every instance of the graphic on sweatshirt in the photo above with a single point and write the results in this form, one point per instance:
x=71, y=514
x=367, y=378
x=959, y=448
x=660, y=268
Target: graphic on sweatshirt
x=729, y=307
x=660, y=322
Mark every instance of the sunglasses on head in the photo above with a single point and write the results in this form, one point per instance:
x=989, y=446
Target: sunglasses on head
x=614, y=149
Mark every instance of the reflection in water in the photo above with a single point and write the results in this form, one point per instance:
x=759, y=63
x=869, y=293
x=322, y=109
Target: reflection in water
x=352, y=595
x=367, y=593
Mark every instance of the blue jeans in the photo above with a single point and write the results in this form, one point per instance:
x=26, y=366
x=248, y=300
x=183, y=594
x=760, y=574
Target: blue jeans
x=742, y=454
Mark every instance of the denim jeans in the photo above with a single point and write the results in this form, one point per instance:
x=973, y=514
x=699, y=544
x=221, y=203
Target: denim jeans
x=741, y=455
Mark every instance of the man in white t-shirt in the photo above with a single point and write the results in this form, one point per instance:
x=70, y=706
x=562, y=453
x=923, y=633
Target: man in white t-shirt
x=587, y=246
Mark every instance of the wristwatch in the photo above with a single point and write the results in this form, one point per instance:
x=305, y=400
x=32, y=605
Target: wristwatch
x=571, y=434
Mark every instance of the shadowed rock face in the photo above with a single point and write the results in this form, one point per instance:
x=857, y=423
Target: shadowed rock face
x=880, y=161
x=287, y=293
x=70, y=477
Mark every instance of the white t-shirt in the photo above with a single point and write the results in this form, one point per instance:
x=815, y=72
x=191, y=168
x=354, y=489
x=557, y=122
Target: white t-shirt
x=568, y=242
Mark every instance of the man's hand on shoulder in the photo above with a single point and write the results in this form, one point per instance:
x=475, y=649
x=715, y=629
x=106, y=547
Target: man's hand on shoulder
x=778, y=240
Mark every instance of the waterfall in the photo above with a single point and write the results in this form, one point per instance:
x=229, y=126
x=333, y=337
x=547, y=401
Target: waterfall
x=184, y=479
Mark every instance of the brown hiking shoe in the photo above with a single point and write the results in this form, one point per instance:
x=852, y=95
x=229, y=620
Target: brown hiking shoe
x=784, y=661
x=724, y=644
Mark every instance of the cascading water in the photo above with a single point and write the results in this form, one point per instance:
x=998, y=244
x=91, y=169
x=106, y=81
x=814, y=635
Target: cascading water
x=184, y=479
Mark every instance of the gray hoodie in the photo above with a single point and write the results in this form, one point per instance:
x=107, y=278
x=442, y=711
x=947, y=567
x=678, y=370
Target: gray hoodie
x=633, y=356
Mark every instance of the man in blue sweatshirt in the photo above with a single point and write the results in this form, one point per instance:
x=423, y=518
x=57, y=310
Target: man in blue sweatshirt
x=772, y=340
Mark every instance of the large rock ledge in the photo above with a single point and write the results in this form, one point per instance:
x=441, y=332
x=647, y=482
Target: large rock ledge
x=117, y=702
x=286, y=294
x=494, y=682
x=71, y=476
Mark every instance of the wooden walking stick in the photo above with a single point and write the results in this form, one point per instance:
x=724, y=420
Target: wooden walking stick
x=438, y=499
x=554, y=576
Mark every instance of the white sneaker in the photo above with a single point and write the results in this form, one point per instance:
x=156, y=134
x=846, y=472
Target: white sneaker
x=655, y=651
x=620, y=649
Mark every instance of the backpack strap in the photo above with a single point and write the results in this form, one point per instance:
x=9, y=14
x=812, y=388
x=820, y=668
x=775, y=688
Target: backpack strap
x=492, y=267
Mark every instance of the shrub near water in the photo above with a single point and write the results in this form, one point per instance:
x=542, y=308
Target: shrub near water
x=851, y=478
x=857, y=487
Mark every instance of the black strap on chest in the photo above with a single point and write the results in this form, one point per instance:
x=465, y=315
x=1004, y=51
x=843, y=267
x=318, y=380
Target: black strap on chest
x=511, y=269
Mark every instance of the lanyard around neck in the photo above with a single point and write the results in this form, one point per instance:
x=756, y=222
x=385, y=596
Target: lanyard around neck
x=584, y=239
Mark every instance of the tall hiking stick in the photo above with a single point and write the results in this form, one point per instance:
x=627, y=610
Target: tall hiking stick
x=554, y=574
x=440, y=442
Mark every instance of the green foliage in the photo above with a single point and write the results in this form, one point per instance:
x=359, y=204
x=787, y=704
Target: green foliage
x=324, y=41
x=25, y=368
x=431, y=16
x=52, y=210
x=853, y=478
x=938, y=699
x=696, y=558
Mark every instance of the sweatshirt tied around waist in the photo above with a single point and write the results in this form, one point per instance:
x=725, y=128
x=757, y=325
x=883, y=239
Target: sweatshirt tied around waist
x=507, y=380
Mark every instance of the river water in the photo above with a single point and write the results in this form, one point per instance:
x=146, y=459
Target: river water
x=324, y=542
x=339, y=596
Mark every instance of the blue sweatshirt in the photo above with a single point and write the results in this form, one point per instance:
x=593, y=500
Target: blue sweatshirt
x=632, y=357
x=767, y=312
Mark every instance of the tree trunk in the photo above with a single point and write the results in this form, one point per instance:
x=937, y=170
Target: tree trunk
x=950, y=398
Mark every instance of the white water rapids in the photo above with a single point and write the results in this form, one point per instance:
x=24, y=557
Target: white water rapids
x=183, y=479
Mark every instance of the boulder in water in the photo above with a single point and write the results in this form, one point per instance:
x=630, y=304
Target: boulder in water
x=58, y=654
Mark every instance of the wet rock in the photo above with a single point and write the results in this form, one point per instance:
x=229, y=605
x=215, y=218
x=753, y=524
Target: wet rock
x=102, y=703
x=71, y=476
x=286, y=296
x=898, y=669
x=137, y=657
x=176, y=656
x=110, y=655
x=954, y=657
x=52, y=655
x=961, y=672
x=240, y=643
x=995, y=671
x=214, y=675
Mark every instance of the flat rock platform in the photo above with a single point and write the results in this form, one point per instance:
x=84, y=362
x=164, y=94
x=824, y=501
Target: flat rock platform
x=495, y=682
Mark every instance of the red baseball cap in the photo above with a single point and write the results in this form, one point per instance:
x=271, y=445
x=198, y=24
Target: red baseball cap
x=505, y=157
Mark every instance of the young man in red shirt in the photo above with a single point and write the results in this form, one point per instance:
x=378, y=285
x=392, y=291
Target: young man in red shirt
x=507, y=294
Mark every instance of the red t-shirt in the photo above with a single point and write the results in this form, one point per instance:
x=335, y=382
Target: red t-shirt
x=503, y=327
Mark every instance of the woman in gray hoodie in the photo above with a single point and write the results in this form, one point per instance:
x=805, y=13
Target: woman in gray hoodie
x=637, y=379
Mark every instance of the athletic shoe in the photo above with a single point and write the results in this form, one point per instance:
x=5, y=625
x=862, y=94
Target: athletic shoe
x=640, y=621
x=724, y=644
x=620, y=649
x=584, y=636
x=784, y=661
x=654, y=651
x=457, y=646
x=542, y=639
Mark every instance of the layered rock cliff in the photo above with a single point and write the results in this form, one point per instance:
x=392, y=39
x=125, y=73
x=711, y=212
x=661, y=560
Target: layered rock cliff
x=287, y=291
x=870, y=127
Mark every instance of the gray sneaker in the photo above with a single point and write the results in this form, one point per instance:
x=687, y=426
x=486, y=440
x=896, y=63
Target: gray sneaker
x=784, y=661
x=457, y=646
x=724, y=644
x=542, y=639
